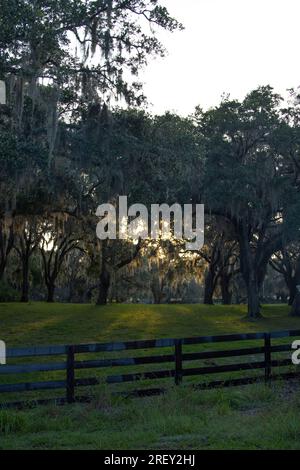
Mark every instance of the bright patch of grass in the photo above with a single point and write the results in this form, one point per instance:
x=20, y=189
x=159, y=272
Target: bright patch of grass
x=39, y=323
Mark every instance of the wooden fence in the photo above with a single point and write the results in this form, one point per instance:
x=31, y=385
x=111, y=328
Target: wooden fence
x=178, y=357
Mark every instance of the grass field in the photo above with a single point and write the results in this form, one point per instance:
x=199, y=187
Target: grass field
x=251, y=417
x=40, y=323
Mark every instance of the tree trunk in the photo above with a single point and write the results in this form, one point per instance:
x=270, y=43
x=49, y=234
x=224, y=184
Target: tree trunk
x=209, y=288
x=157, y=290
x=295, y=311
x=253, y=298
x=262, y=273
x=225, y=289
x=50, y=292
x=250, y=271
x=294, y=282
x=104, y=284
x=25, y=281
x=292, y=292
x=2, y=270
x=6, y=246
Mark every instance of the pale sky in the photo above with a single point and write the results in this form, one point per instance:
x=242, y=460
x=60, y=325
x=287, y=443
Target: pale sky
x=229, y=46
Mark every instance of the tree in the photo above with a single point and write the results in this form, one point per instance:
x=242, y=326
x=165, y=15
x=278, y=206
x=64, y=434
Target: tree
x=27, y=240
x=220, y=254
x=169, y=268
x=112, y=255
x=62, y=61
x=82, y=48
x=287, y=263
x=55, y=245
x=295, y=311
x=6, y=245
x=131, y=153
x=249, y=179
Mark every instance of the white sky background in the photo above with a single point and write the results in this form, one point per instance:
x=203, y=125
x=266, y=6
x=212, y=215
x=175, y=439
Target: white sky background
x=229, y=46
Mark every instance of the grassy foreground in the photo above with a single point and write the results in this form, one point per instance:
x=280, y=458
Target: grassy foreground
x=251, y=417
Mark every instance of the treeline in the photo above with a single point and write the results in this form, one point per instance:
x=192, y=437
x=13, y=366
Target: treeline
x=240, y=160
x=64, y=150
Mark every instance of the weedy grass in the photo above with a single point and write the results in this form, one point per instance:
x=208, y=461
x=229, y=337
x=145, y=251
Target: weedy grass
x=252, y=417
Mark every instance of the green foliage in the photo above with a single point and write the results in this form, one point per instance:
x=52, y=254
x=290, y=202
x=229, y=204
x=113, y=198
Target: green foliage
x=242, y=156
x=251, y=178
x=36, y=37
x=9, y=157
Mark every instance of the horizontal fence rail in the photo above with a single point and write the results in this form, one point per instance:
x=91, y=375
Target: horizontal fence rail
x=177, y=359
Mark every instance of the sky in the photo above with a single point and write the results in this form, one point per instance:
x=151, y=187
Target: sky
x=228, y=46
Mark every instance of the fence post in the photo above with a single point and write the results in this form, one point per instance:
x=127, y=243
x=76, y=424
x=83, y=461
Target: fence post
x=178, y=361
x=70, y=374
x=267, y=357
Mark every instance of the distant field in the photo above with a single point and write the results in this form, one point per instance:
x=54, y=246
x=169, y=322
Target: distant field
x=40, y=323
x=250, y=417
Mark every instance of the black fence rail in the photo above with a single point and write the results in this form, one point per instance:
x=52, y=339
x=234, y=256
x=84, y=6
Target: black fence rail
x=178, y=357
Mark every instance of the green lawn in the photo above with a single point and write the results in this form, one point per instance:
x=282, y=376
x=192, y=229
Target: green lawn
x=250, y=417
x=40, y=323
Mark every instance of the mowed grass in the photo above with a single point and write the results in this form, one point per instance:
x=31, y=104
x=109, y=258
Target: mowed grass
x=250, y=417
x=38, y=323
